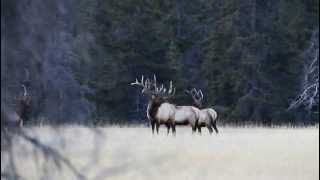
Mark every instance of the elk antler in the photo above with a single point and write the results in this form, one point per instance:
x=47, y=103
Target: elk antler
x=164, y=92
x=197, y=96
x=172, y=90
x=152, y=88
x=25, y=93
x=144, y=84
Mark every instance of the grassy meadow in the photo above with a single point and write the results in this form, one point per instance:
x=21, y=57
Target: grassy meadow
x=127, y=153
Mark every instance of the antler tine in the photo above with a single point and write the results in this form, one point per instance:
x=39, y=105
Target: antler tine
x=173, y=92
x=155, y=81
x=134, y=83
x=150, y=86
x=170, y=88
x=201, y=94
x=147, y=83
x=24, y=90
x=161, y=91
x=137, y=82
x=193, y=92
x=198, y=93
x=161, y=88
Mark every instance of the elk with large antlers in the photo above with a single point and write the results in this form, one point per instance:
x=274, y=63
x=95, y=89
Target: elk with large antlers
x=207, y=116
x=160, y=111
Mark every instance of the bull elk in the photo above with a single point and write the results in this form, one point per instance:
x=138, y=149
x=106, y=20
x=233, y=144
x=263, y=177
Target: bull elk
x=24, y=104
x=15, y=117
x=160, y=111
x=207, y=116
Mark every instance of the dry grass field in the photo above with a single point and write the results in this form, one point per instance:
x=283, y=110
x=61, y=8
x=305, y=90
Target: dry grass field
x=133, y=153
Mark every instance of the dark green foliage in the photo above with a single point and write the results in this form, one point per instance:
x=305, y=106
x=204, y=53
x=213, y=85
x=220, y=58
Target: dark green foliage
x=245, y=55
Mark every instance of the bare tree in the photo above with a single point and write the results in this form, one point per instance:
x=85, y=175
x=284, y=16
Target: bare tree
x=309, y=95
x=52, y=155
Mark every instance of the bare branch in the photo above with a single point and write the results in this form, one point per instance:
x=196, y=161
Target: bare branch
x=155, y=81
x=309, y=95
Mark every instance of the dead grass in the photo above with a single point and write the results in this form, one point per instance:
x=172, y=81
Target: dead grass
x=134, y=153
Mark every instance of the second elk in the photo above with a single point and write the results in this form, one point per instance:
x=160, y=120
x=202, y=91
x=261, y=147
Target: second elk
x=207, y=116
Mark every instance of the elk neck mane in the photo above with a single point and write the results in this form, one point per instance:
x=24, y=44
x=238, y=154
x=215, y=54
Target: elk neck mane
x=154, y=106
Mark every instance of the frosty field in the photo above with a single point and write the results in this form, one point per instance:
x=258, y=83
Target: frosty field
x=133, y=153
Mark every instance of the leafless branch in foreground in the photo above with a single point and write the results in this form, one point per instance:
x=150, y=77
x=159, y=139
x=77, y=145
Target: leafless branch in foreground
x=51, y=154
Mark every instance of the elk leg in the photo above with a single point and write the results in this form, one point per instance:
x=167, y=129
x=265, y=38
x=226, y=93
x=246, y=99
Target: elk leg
x=157, y=127
x=168, y=128
x=173, y=129
x=199, y=129
x=214, y=125
x=152, y=125
x=194, y=128
x=210, y=129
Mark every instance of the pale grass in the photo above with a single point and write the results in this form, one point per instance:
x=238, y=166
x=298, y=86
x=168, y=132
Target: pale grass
x=133, y=153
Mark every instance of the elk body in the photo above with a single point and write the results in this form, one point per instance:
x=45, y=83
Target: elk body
x=207, y=116
x=160, y=111
x=186, y=115
x=177, y=115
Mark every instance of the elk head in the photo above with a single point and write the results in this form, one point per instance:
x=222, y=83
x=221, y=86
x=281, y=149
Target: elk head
x=197, y=96
x=25, y=98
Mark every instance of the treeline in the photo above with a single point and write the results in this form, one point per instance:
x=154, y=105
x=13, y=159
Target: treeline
x=246, y=56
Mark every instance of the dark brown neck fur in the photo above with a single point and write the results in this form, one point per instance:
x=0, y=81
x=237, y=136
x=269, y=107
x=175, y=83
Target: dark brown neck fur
x=154, y=106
